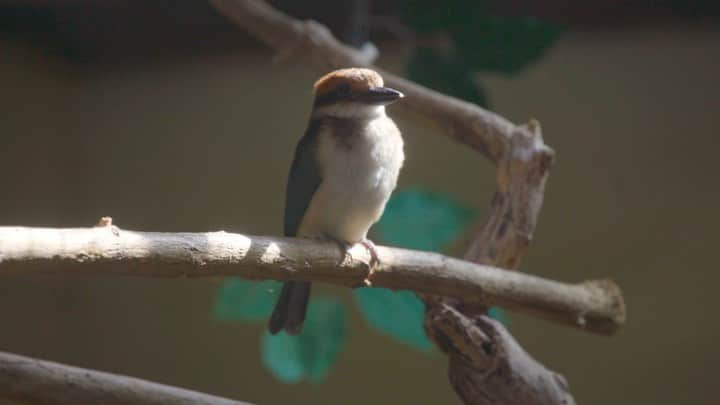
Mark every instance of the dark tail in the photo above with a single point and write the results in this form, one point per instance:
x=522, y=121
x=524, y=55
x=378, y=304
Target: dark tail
x=289, y=312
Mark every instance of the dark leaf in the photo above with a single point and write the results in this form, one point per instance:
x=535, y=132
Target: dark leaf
x=446, y=73
x=505, y=45
x=427, y=16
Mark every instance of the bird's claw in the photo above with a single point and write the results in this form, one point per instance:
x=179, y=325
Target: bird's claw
x=374, y=260
x=344, y=249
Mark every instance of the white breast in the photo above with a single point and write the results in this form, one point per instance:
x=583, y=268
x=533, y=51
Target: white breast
x=360, y=171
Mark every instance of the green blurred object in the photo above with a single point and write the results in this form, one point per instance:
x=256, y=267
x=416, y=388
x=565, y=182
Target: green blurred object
x=477, y=42
x=428, y=16
x=500, y=315
x=424, y=220
x=415, y=219
x=504, y=45
x=445, y=72
x=310, y=355
x=396, y=314
x=244, y=300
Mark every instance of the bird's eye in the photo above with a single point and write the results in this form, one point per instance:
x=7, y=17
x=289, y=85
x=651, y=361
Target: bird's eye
x=343, y=89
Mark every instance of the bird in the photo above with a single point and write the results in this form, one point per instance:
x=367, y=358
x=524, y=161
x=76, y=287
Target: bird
x=345, y=167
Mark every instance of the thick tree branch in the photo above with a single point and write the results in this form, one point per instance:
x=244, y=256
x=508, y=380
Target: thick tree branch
x=108, y=250
x=34, y=381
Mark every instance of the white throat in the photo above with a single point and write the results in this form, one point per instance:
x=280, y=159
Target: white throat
x=350, y=110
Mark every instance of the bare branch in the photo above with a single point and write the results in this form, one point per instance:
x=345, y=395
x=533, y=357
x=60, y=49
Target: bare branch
x=109, y=250
x=38, y=381
x=487, y=364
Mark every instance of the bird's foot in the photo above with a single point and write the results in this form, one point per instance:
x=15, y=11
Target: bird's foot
x=374, y=260
x=344, y=249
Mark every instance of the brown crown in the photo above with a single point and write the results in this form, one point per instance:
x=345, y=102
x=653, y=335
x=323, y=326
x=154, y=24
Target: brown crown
x=360, y=80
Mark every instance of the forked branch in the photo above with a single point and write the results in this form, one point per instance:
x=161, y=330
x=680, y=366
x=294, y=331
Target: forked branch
x=523, y=162
x=487, y=365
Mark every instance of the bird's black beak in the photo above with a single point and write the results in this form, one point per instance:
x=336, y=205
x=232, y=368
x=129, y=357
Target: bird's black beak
x=381, y=96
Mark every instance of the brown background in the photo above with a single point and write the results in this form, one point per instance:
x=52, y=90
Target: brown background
x=202, y=142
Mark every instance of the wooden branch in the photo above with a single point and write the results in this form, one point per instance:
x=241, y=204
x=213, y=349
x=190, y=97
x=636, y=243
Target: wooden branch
x=108, y=250
x=29, y=380
x=502, y=372
x=521, y=175
x=487, y=365
x=523, y=162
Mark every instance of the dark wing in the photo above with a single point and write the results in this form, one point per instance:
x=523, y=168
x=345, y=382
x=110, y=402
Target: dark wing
x=303, y=180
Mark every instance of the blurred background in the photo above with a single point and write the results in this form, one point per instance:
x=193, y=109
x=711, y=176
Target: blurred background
x=167, y=118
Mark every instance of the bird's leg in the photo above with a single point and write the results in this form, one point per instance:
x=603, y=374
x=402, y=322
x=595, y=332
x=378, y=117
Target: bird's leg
x=347, y=256
x=344, y=248
x=374, y=260
x=370, y=246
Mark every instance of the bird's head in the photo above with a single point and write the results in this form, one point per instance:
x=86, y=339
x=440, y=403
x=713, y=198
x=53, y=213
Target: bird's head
x=352, y=93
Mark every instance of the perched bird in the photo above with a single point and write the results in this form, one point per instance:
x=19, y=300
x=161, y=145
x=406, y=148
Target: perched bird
x=344, y=170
